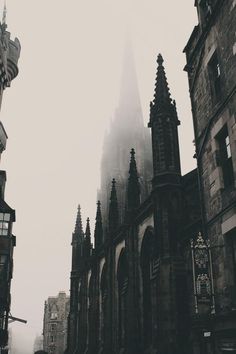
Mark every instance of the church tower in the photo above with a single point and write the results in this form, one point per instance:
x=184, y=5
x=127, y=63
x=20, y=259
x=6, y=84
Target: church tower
x=167, y=201
x=126, y=131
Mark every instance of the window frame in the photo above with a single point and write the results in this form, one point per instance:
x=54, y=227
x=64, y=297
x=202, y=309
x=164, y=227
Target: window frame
x=225, y=155
x=215, y=77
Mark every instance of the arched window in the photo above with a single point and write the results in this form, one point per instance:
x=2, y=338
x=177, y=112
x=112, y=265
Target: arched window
x=122, y=277
x=54, y=312
x=104, y=309
x=149, y=268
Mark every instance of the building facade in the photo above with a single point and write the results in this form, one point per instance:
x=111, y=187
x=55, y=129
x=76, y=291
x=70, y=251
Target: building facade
x=9, y=55
x=56, y=311
x=162, y=278
x=211, y=67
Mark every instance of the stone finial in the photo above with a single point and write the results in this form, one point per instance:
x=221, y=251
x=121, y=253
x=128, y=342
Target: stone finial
x=133, y=195
x=162, y=93
x=78, y=225
x=160, y=59
x=113, y=218
x=98, y=233
x=87, y=231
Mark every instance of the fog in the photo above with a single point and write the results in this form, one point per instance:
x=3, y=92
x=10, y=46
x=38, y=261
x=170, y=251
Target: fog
x=56, y=113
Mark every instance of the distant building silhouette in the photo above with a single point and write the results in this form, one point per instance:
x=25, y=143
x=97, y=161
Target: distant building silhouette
x=55, y=323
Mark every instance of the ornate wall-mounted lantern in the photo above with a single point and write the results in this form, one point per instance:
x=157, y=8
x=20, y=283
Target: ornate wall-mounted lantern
x=202, y=274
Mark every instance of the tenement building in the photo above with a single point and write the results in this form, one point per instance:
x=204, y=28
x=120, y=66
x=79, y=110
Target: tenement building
x=56, y=311
x=162, y=278
x=9, y=55
x=211, y=67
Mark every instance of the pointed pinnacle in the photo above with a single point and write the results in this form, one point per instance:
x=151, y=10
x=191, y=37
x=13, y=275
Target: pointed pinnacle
x=113, y=209
x=132, y=166
x=162, y=93
x=99, y=214
x=133, y=184
x=132, y=152
x=113, y=197
x=98, y=233
x=160, y=59
x=87, y=232
x=78, y=224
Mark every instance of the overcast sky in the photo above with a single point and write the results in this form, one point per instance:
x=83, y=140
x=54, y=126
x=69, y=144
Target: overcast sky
x=56, y=114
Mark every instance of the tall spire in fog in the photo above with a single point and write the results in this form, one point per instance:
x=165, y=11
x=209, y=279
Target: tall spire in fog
x=126, y=131
x=129, y=105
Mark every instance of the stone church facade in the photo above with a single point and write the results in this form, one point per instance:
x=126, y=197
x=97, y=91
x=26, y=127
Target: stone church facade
x=163, y=278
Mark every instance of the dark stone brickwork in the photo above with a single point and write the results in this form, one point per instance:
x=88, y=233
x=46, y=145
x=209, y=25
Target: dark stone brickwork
x=211, y=66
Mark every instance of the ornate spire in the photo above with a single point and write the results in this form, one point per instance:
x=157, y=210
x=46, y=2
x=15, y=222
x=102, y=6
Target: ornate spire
x=78, y=225
x=87, y=243
x=113, y=219
x=162, y=102
x=129, y=92
x=77, y=241
x=98, y=233
x=165, y=144
x=133, y=194
x=162, y=92
x=87, y=231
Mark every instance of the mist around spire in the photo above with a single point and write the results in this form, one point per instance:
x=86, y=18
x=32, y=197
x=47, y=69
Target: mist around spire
x=129, y=99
